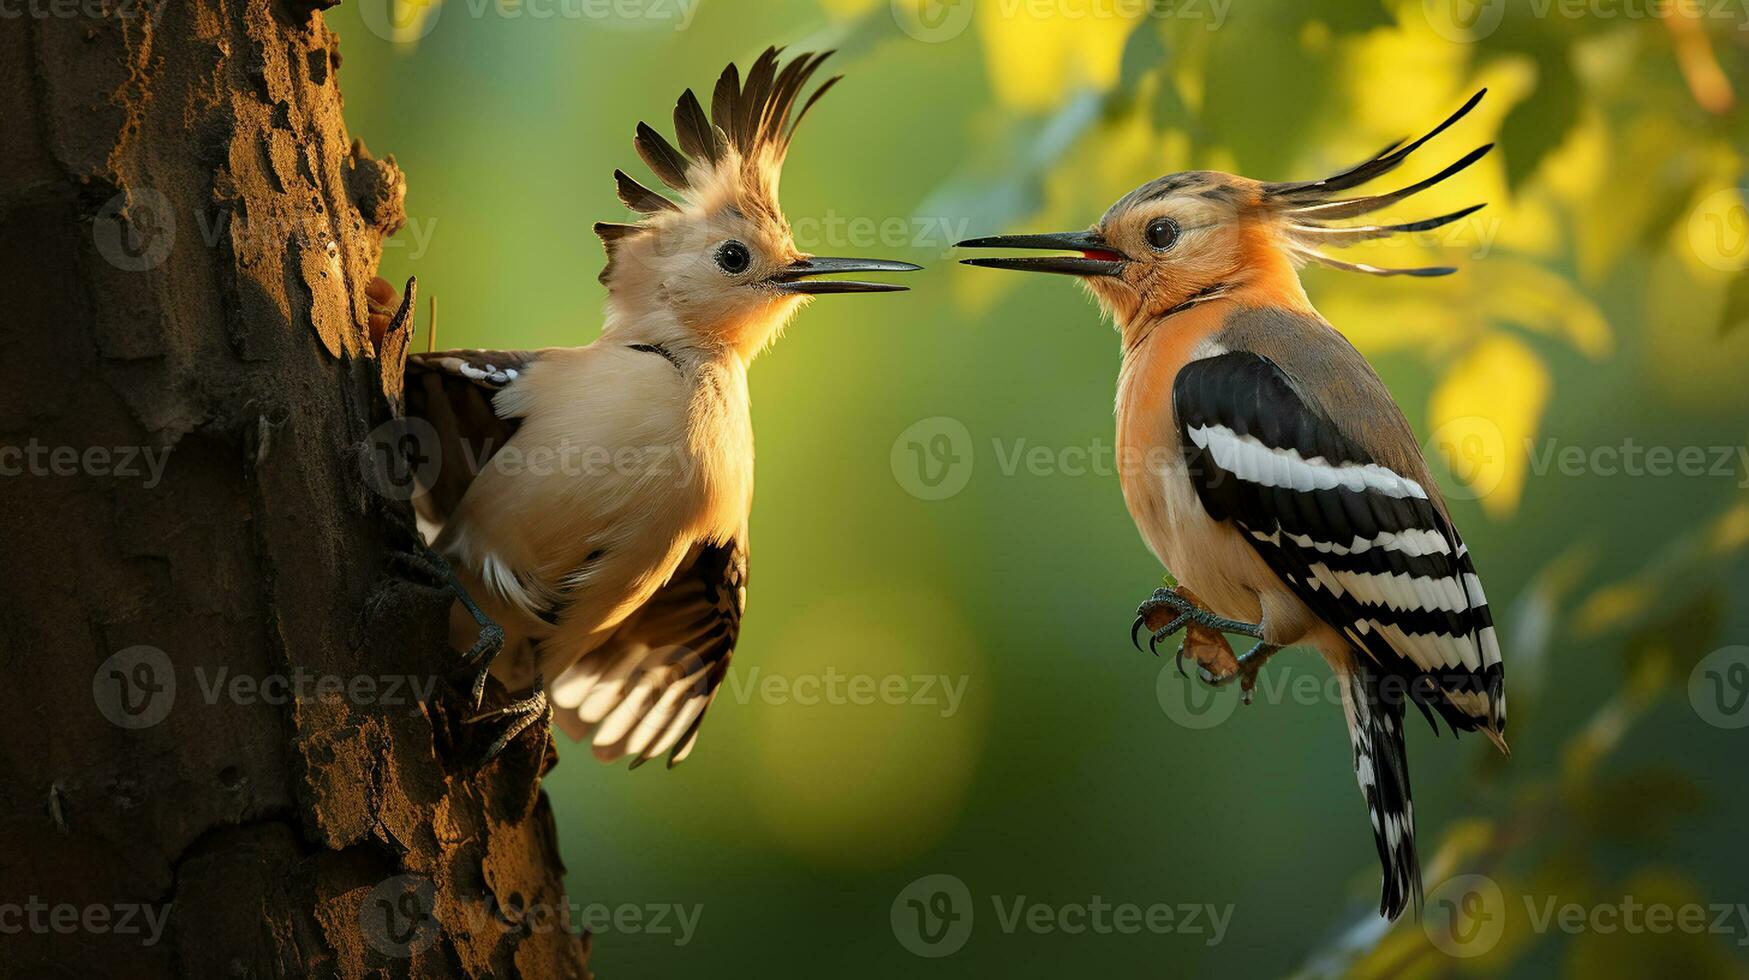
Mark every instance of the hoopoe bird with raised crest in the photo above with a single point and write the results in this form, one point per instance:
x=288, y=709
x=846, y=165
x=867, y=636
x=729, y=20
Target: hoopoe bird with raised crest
x=593, y=501
x=1276, y=477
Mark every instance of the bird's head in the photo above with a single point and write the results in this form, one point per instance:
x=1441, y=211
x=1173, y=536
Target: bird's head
x=719, y=266
x=1195, y=236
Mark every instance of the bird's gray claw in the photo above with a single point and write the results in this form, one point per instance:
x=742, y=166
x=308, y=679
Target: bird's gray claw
x=1166, y=631
x=1136, y=632
x=528, y=711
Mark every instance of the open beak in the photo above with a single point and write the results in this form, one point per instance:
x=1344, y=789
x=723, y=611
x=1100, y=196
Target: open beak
x=1096, y=258
x=793, y=278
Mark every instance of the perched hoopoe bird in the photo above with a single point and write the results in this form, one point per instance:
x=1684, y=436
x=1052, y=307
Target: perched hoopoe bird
x=1268, y=468
x=593, y=500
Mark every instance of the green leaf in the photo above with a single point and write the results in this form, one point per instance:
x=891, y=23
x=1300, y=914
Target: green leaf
x=1144, y=52
x=1352, y=17
x=1246, y=109
x=1538, y=125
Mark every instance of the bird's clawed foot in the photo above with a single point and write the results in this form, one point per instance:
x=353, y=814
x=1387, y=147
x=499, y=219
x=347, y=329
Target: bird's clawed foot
x=1169, y=610
x=1164, y=613
x=1180, y=608
x=1244, y=669
x=537, y=707
x=479, y=660
x=476, y=663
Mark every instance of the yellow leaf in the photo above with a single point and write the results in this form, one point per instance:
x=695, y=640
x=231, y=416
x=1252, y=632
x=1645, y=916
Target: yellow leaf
x=1532, y=297
x=1380, y=316
x=1612, y=605
x=1649, y=158
x=1731, y=532
x=1655, y=923
x=1485, y=414
x=1040, y=53
x=406, y=20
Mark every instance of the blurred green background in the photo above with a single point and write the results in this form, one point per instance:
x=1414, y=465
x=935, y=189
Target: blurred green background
x=1596, y=315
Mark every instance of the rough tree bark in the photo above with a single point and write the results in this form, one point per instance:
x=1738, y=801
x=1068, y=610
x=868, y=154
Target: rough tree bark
x=214, y=754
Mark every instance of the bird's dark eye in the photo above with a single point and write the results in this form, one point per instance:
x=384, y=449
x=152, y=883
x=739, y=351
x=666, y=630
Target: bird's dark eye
x=1162, y=234
x=733, y=257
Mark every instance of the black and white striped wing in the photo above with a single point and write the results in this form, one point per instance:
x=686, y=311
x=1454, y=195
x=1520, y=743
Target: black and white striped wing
x=1363, y=545
x=645, y=691
x=452, y=391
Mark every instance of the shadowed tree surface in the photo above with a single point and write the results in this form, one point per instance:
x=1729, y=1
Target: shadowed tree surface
x=229, y=741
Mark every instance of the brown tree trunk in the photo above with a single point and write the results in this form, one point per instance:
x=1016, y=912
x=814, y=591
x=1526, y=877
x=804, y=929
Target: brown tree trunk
x=230, y=739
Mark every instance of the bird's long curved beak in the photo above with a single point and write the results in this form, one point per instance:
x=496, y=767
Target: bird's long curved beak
x=794, y=277
x=1096, y=258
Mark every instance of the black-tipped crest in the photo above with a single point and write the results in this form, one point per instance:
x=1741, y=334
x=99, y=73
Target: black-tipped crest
x=1307, y=203
x=753, y=120
x=1385, y=161
x=693, y=127
x=732, y=158
x=663, y=159
x=640, y=198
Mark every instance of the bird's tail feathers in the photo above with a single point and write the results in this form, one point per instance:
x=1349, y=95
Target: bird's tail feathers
x=1381, y=764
